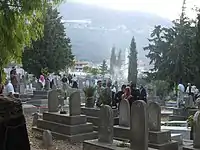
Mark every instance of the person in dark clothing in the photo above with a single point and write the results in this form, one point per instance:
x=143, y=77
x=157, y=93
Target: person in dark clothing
x=70, y=78
x=118, y=95
x=143, y=94
x=75, y=85
x=64, y=79
x=134, y=91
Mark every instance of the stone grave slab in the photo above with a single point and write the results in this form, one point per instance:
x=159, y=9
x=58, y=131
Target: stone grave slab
x=181, y=114
x=188, y=145
x=158, y=138
x=95, y=145
x=64, y=126
x=72, y=126
x=92, y=115
x=184, y=131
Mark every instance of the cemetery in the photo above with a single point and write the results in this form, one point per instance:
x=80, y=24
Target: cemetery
x=72, y=120
x=57, y=94
x=109, y=128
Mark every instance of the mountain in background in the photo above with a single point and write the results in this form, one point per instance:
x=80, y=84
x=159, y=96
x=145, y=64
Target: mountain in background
x=94, y=30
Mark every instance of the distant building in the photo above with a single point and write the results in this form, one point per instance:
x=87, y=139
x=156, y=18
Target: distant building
x=79, y=65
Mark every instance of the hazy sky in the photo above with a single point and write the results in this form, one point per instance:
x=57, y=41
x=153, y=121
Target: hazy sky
x=166, y=8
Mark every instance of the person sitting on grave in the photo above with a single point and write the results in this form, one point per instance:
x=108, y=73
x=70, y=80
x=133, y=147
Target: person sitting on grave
x=9, y=89
x=118, y=95
x=127, y=95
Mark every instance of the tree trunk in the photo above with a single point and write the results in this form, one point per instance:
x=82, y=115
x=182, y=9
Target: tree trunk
x=1, y=84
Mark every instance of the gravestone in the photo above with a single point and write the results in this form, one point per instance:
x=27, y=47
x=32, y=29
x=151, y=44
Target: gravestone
x=22, y=88
x=47, y=139
x=74, y=104
x=139, y=126
x=124, y=113
x=154, y=116
x=35, y=119
x=47, y=85
x=106, y=125
x=53, y=101
x=195, y=144
x=121, y=131
x=73, y=126
x=158, y=139
x=197, y=130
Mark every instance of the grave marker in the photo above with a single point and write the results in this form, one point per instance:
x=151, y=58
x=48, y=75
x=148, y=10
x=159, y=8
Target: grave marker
x=154, y=116
x=139, y=126
x=106, y=124
x=75, y=104
x=124, y=113
x=53, y=101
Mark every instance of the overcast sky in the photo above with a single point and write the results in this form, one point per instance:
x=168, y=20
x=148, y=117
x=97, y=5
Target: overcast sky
x=165, y=8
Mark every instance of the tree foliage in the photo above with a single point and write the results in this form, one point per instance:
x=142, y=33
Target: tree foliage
x=19, y=23
x=52, y=51
x=92, y=70
x=132, y=67
x=175, y=51
x=103, y=68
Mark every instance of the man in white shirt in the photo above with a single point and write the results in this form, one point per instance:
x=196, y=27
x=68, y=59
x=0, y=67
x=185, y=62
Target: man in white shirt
x=180, y=97
x=9, y=89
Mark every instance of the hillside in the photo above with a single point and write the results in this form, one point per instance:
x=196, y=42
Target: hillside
x=94, y=30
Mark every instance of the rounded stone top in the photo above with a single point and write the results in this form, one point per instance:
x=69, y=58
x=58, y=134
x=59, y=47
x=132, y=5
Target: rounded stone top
x=198, y=102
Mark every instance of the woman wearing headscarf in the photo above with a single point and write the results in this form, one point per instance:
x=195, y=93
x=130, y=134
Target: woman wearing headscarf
x=127, y=95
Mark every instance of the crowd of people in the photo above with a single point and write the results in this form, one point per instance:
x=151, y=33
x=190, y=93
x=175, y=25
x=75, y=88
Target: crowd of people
x=128, y=92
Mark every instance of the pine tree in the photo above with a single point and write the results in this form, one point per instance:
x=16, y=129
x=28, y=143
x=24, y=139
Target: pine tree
x=112, y=61
x=103, y=68
x=53, y=51
x=132, y=68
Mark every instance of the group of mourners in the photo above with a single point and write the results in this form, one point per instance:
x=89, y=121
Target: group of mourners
x=113, y=97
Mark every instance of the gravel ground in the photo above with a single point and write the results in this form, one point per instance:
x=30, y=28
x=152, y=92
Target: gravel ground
x=57, y=145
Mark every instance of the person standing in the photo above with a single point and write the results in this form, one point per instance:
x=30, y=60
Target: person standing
x=180, y=95
x=118, y=95
x=13, y=78
x=127, y=95
x=99, y=89
x=143, y=94
x=134, y=91
x=9, y=89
